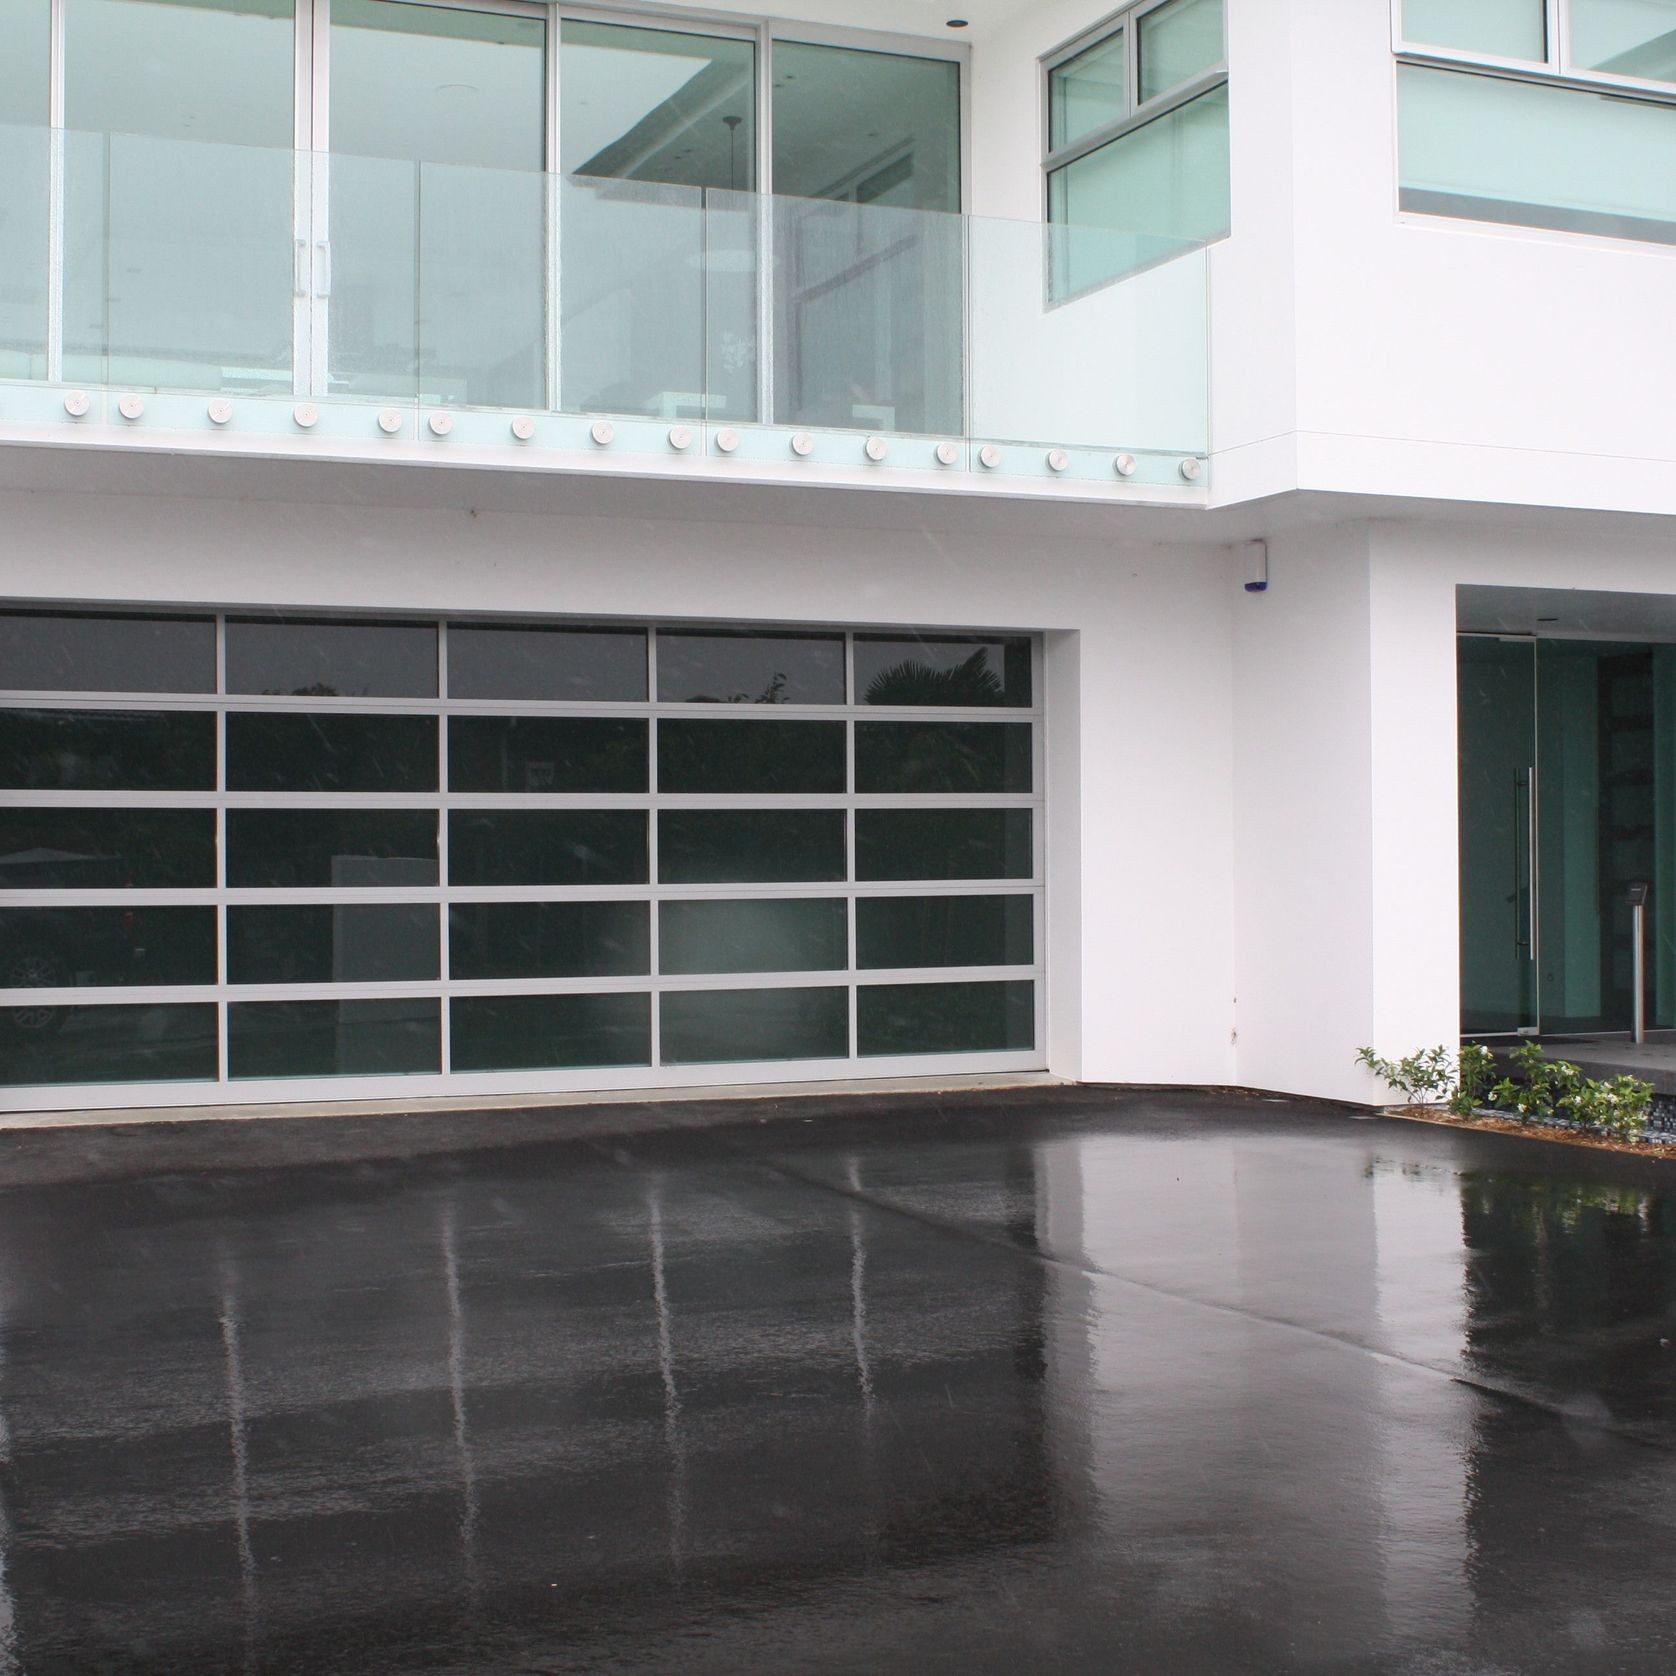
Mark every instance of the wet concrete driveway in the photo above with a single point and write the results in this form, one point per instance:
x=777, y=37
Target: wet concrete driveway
x=1049, y=1380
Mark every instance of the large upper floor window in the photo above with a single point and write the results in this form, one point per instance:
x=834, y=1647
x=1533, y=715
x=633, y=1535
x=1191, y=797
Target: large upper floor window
x=1137, y=141
x=1540, y=113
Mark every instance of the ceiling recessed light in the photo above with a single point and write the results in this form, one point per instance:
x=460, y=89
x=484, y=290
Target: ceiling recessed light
x=959, y=23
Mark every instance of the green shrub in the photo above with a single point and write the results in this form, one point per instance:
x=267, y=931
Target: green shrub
x=1536, y=1090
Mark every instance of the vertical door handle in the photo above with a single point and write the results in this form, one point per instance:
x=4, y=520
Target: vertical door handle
x=323, y=269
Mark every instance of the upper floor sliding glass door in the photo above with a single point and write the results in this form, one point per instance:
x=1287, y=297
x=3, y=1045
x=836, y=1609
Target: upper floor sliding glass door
x=490, y=203
x=178, y=190
x=431, y=210
x=658, y=225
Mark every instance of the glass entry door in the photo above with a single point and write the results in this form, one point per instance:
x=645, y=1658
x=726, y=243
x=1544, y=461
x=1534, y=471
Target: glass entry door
x=1498, y=815
x=1567, y=799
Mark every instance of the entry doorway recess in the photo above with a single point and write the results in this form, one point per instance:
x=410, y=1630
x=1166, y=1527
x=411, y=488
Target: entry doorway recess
x=1567, y=800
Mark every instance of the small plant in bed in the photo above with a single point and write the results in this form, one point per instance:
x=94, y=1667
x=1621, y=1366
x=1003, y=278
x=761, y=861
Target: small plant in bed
x=1533, y=1089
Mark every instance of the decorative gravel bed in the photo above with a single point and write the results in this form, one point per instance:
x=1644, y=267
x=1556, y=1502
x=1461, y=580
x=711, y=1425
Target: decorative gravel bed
x=1652, y=1145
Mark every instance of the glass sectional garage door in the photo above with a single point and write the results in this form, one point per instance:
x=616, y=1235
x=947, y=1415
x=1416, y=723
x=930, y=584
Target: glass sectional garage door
x=309, y=856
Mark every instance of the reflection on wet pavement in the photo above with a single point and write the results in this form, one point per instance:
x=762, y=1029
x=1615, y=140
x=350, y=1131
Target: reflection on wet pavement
x=1042, y=1380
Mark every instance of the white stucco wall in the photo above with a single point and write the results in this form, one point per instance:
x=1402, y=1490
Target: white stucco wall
x=1428, y=356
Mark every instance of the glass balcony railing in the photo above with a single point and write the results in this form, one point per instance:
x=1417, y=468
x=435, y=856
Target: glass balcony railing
x=141, y=264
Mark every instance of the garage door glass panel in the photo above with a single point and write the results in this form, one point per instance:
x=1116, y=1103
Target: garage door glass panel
x=333, y=1038
x=340, y=848
x=106, y=849
x=107, y=750
x=547, y=753
x=542, y=847
x=48, y=652
x=746, y=757
x=541, y=1032
x=581, y=666
x=283, y=852
x=549, y=939
x=301, y=751
x=907, y=931
x=67, y=948
x=793, y=935
x=332, y=660
x=945, y=1018
x=946, y=670
x=333, y=943
x=730, y=847
x=58, y=1045
x=716, y=1026
x=953, y=757
x=750, y=668
x=943, y=844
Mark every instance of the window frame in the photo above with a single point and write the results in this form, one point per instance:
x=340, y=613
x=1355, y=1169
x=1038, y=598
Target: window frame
x=1137, y=112
x=1557, y=69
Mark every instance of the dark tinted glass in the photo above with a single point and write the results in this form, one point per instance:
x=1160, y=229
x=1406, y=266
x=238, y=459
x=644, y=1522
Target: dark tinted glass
x=750, y=846
x=944, y=931
x=547, y=753
x=946, y=1018
x=958, y=671
x=943, y=844
x=106, y=849
x=786, y=936
x=716, y=1026
x=547, y=847
x=537, y=1032
x=934, y=756
x=339, y=943
x=695, y=756
x=100, y=750
x=282, y=848
x=332, y=660
x=549, y=939
x=333, y=1038
x=107, y=1044
x=275, y=751
x=578, y=665
x=42, y=652
x=63, y=948
x=750, y=668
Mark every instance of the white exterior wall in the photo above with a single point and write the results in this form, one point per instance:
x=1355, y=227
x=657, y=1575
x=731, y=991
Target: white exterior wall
x=1429, y=357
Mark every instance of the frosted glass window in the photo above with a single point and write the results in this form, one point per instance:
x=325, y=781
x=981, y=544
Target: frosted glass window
x=1088, y=91
x=1497, y=28
x=1625, y=37
x=1178, y=42
x=1147, y=195
x=866, y=127
x=657, y=105
x=1538, y=156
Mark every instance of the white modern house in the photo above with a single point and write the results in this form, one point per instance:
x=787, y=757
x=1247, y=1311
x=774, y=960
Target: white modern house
x=552, y=547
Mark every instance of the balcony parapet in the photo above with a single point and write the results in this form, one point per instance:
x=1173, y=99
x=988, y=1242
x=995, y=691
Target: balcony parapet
x=169, y=294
